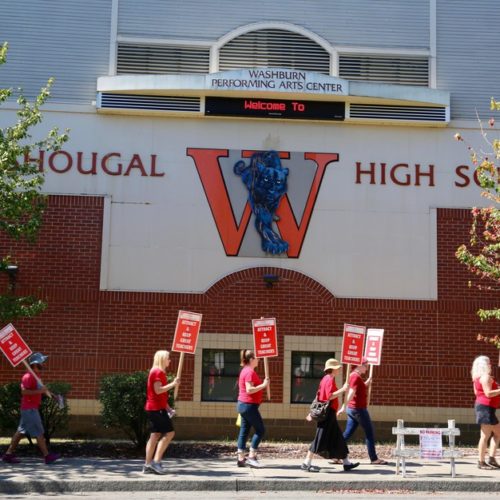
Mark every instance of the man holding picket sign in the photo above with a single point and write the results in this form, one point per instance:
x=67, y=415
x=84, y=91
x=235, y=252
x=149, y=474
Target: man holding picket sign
x=356, y=401
x=32, y=388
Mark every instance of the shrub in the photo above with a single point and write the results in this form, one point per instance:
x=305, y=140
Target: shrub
x=10, y=412
x=53, y=417
x=123, y=396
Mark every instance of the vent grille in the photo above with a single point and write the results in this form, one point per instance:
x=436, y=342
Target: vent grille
x=413, y=113
x=161, y=60
x=393, y=70
x=150, y=102
x=274, y=48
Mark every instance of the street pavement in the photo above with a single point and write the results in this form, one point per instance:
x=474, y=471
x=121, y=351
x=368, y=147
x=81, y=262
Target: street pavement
x=73, y=475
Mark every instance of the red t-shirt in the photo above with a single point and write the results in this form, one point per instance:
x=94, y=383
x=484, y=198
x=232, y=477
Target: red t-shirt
x=327, y=387
x=482, y=399
x=32, y=402
x=155, y=401
x=358, y=384
x=247, y=374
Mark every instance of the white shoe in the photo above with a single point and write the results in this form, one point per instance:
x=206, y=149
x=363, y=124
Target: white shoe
x=253, y=462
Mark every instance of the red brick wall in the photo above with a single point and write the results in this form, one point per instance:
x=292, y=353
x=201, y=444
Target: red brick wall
x=428, y=345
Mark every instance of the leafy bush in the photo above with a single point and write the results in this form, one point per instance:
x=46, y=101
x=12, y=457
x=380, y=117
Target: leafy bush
x=10, y=400
x=123, y=396
x=53, y=417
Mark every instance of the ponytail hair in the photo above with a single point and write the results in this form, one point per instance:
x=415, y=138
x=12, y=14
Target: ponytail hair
x=246, y=355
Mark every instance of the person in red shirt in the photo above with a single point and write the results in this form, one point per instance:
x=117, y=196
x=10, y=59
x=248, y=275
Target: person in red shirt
x=357, y=411
x=487, y=401
x=329, y=441
x=158, y=409
x=31, y=422
x=249, y=399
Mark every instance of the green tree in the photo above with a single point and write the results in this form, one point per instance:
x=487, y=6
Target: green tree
x=21, y=201
x=482, y=254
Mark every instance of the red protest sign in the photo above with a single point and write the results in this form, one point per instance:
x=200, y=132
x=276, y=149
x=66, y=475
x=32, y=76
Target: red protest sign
x=13, y=346
x=352, y=344
x=186, y=332
x=373, y=347
x=265, y=337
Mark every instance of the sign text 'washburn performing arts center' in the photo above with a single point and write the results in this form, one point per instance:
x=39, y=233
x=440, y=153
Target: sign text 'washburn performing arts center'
x=281, y=80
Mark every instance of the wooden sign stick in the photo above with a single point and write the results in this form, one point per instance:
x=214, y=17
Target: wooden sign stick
x=179, y=371
x=370, y=388
x=347, y=373
x=266, y=374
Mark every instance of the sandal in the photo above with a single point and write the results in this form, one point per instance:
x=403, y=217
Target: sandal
x=380, y=461
x=485, y=466
x=493, y=463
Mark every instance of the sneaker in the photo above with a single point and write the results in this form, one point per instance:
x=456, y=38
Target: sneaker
x=157, y=468
x=242, y=463
x=254, y=463
x=52, y=457
x=147, y=469
x=351, y=466
x=10, y=458
x=309, y=468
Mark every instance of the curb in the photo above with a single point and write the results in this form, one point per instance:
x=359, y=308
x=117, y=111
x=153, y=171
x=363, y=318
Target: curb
x=71, y=486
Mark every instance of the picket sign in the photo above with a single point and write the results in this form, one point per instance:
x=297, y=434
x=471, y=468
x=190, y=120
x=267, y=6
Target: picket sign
x=186, y=335
x=353, y=342
x=373, y=353
x=265, y=340
x=401, y=453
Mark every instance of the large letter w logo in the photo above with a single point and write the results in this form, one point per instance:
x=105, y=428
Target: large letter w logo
x=232, y=231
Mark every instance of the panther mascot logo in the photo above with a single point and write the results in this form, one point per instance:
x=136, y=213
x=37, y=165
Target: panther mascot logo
x=265, y=180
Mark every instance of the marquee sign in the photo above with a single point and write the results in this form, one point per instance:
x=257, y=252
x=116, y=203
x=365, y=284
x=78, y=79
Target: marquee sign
x=274, y=108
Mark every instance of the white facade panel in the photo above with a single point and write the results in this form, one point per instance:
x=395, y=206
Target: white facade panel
x=369, y=237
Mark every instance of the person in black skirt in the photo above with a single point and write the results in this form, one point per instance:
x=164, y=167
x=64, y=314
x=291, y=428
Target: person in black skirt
x=329, y=441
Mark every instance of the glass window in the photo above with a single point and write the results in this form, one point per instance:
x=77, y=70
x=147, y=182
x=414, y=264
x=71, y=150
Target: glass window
x=220, y=372
x=307, y=371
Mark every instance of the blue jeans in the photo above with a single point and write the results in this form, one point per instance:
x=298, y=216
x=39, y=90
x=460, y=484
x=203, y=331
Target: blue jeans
x=360, y=416
x=250, y=417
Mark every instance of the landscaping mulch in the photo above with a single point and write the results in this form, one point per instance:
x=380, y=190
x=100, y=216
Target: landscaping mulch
x=196, y=449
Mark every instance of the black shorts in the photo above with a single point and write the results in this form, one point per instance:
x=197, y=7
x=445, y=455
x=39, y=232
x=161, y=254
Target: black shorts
x=485, y=415
x=159, y=421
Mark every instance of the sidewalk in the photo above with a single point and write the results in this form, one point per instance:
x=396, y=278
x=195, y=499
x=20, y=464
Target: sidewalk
x=91, y=475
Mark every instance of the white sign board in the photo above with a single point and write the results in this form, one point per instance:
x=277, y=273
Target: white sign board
x=373, y=346
x=431, y=444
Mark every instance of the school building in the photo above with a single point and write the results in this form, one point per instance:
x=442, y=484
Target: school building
x=279, y=159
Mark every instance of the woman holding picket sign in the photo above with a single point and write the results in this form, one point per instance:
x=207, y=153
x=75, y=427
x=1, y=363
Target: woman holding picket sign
x=158, y=412
x=249, y=400
x=329, y=441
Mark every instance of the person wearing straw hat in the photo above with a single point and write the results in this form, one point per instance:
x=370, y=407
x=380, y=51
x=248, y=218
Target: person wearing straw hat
x=357, y=410
x=329, y=441
x=31, y=422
